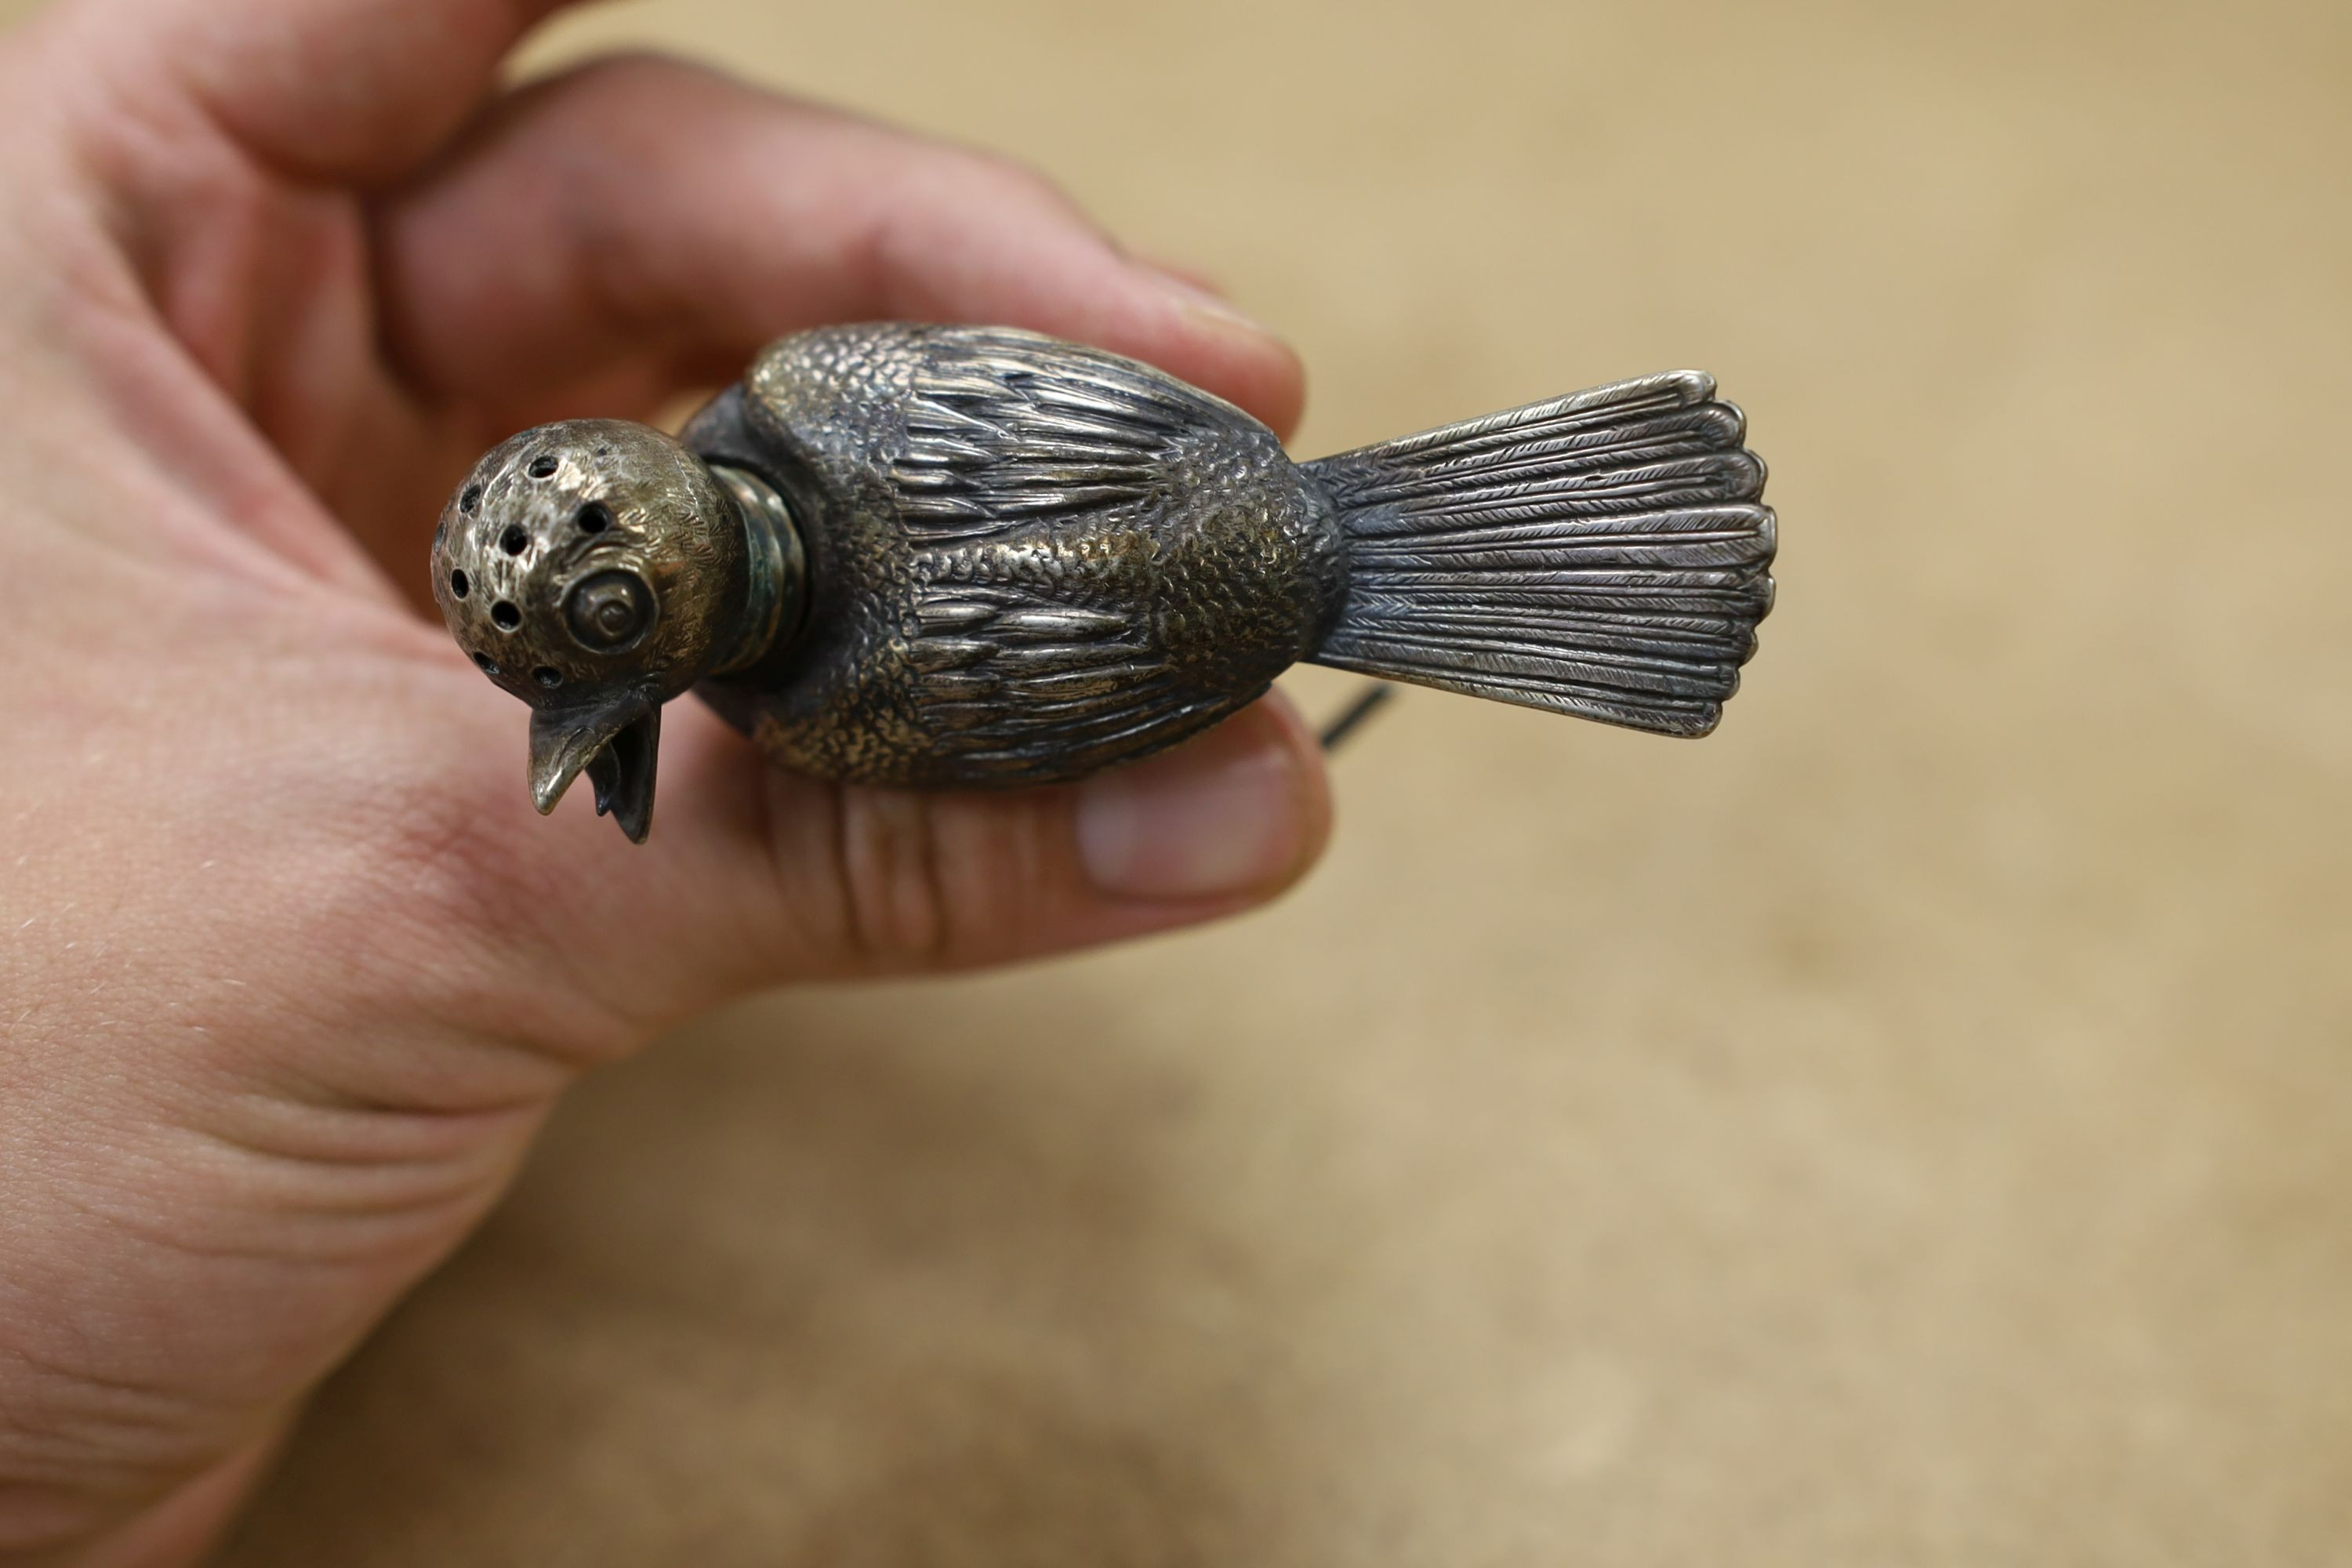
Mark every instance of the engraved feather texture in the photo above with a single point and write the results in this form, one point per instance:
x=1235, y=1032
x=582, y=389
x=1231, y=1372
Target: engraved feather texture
x=1605, y=554
x=1030, y=560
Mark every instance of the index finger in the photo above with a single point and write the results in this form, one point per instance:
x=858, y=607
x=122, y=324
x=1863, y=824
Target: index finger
x=330, y=89
x=643, y=205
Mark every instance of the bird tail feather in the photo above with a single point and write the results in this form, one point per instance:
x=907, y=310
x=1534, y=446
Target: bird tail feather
x=1605, y=554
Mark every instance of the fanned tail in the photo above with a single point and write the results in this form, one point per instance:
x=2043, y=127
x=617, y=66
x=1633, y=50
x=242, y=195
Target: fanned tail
x=1604, y=554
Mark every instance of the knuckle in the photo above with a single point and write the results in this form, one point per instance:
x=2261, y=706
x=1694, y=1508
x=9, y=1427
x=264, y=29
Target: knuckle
x=641, y=70
x=925, y=880
x=1024, y=183
x=898, y=902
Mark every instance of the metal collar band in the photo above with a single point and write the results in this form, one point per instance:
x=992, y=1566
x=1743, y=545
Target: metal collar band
x=778, y=569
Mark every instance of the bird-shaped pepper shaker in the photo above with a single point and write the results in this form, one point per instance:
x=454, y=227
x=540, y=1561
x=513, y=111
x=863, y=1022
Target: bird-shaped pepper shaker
x=975, y=556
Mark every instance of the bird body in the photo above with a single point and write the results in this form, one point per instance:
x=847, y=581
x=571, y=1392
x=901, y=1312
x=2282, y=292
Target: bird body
x=960, y=556
x=1028, y=559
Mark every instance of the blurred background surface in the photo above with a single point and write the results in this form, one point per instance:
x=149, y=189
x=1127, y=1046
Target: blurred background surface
x=1914, y=1126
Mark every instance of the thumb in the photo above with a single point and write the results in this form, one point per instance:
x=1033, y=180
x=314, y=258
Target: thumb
x=761, y=877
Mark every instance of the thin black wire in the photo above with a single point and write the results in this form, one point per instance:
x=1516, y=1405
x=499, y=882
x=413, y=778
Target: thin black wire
x=1375, y=694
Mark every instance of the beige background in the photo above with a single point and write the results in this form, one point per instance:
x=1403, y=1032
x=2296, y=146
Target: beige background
x=1914, y=1127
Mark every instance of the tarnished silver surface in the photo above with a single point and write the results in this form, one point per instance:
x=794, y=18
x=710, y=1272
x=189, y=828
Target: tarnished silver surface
x=1026, y=560
x=596, y=569
x=778, y=569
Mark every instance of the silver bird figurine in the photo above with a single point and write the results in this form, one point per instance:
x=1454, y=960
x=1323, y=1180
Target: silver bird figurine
x=962, y=556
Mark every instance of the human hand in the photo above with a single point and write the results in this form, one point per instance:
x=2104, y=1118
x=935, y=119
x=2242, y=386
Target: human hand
x=288, y=970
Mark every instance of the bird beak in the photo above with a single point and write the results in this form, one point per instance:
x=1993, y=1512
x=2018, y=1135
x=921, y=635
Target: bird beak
x=615, y=742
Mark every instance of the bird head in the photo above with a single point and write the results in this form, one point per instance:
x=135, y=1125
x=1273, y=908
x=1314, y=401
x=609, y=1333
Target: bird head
x=596, y=569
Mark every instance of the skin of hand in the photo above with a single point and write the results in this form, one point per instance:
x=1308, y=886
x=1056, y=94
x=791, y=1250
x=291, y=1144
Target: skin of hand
x=290, y=971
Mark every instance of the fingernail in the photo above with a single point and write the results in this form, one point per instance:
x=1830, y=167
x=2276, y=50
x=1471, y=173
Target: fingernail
x=1204, y=302
x=1263, y=372
x=1221, y=815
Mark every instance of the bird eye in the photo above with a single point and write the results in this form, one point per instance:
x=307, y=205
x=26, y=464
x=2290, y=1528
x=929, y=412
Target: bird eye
x=609, y=611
